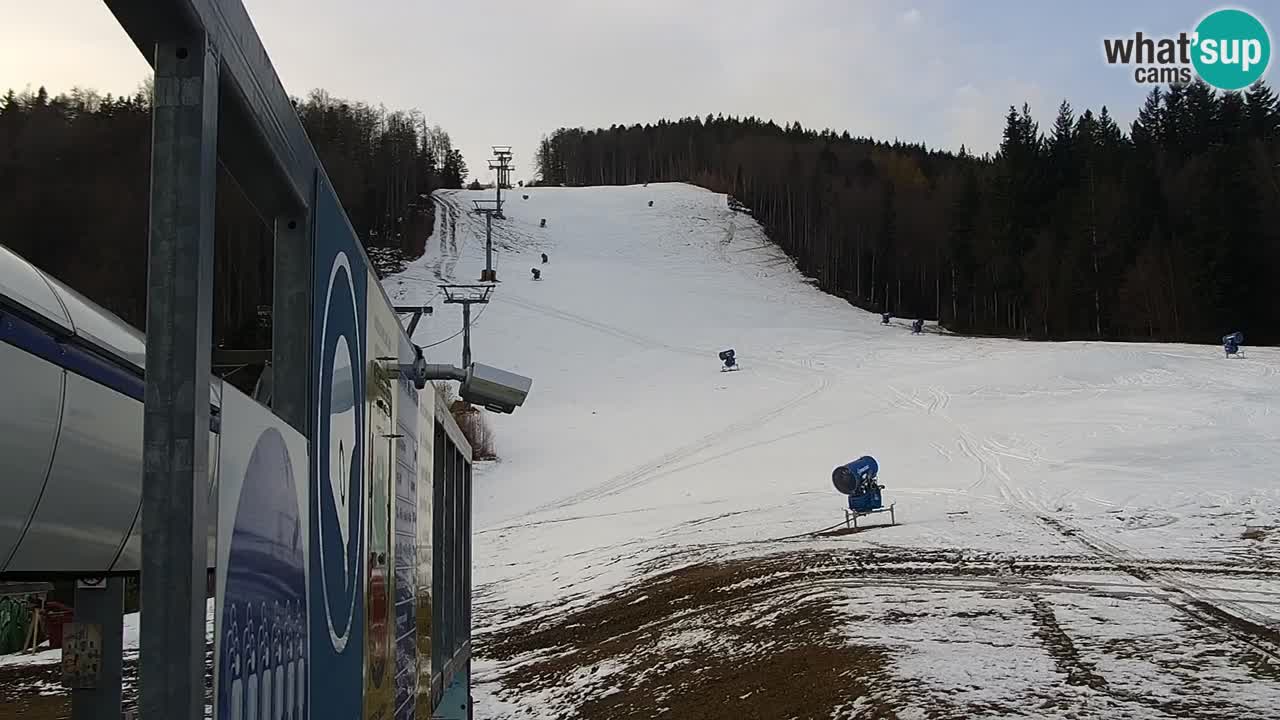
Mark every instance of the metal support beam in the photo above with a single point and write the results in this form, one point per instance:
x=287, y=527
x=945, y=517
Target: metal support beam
x=415, y=313
x=102, y=606
x=291, y=322
x=489, y=275
x=466, y=296
x=466, y=336
x=175, y=477
x=445, y=372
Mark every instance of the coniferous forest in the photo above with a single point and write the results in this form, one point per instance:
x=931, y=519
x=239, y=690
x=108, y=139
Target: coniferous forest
x=75, y=177
x=1078, y=230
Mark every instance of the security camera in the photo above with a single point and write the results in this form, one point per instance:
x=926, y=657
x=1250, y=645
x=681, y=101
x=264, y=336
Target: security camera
x=494, y=389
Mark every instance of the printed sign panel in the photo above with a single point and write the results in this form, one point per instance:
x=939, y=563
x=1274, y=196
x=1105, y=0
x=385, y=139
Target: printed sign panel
x=81, y=655
x=425, y=548
x=381, y=363
x=406, y=534
x=336, y=583
x=260, y=645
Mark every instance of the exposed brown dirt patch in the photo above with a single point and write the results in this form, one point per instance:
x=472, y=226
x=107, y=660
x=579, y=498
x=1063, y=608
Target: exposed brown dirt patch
x=713, y=640
x=1256, y=533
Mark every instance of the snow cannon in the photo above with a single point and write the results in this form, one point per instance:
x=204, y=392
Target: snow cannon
x=544, y=258
x=730, y=362
x=884, y=318
x=537, y=274
x=1231, y=343
x=543, y=223
x=526, y=197
x=917, y=327
x=858, y=480
x=650, y=203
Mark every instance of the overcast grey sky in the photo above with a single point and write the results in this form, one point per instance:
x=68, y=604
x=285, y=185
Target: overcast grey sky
x=507, y=72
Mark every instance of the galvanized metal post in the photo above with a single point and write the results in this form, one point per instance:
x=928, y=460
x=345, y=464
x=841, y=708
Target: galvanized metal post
x=466, y=335
x=488, y=244
x=291, y=321
x=176, y=418
x=102, y=606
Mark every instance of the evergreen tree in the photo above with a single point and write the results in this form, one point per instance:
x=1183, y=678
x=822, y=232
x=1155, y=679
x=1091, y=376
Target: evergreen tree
x=1202, y=115
x=1263, y=113
x=1147, y=128
x=454, y=172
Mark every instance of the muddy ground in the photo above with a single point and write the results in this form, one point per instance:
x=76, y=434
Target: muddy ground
x=35, y=692
x=889, y=633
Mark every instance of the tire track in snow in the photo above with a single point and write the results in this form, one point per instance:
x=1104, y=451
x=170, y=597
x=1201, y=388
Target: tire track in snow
x=805, y=364
x=646, y=472
x=507, y=234
x=1243, y=624
x=1230, y=618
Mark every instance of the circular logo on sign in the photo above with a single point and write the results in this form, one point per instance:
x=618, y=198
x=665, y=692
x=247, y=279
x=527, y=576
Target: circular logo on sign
x=339, y=453
x=1232, y=49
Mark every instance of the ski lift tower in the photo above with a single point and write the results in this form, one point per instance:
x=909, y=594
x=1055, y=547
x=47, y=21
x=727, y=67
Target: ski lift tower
x=501, y=164
x=488, y=208
x=466, y=296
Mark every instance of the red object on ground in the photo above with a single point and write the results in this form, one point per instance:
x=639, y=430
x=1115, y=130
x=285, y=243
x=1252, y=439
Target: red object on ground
x=55, y=616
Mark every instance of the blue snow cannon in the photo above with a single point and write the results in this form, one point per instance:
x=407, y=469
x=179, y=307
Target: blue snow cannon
x=858, y=480
x=729, y=359
x=917, y=327
x=884, y=318
x=1231, y=343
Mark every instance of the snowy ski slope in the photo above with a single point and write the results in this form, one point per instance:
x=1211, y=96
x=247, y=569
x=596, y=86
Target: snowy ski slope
x=1139, y=481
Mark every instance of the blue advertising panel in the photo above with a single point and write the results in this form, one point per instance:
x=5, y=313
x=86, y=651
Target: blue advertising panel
x=406, y=536
x=336, y=582
x=261, y=643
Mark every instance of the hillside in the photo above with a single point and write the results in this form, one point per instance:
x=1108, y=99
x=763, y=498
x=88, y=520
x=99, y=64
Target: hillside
x=1084, y=529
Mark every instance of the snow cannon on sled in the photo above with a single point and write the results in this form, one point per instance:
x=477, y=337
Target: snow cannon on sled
x=730, y=362
x=1231, y=343
x=858, y=480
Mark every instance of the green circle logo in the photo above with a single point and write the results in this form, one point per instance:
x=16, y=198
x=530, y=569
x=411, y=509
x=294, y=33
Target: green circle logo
x=1232, y=49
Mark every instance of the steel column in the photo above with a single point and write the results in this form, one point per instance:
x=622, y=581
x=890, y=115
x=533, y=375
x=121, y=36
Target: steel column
x=466, y=336
x=291, y=322
x=176, y=417
x=488, y=244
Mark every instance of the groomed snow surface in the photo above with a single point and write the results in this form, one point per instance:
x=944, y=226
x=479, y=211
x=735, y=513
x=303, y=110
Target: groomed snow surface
x=1085, y=529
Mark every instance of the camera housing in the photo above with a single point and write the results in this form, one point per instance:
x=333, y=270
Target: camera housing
x=494, y=389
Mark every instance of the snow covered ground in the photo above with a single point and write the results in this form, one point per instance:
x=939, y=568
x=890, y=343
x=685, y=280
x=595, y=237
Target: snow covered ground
x=1085, y=529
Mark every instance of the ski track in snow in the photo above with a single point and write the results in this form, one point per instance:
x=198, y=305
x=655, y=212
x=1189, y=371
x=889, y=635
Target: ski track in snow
x=1149, y=459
